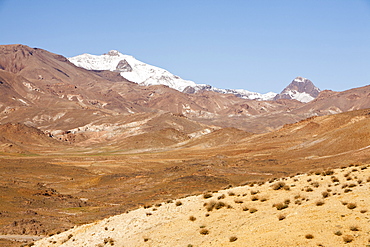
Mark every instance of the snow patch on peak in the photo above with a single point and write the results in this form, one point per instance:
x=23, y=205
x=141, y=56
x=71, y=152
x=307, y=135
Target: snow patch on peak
x=300, y=79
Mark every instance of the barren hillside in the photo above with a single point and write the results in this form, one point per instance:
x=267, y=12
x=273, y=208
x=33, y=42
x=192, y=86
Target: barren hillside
x=322, y=208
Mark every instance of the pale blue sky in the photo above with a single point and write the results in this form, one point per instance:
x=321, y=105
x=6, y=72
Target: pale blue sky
x=256, y=45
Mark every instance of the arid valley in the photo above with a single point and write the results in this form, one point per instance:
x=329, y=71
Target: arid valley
x=78, y=146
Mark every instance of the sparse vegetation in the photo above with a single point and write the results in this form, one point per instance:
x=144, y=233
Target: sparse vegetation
x=280, y=206
x=253, y=210
x=354, y=228
x=192, y=218
x=309, y=236
x=309, y=189
x=351, y=205
x=348, y=238
x=325, y=194
x=207, y=195
x=254, y=198
x=221, y=197
x=278, y=185
x=281, y=217
x=109, y=240
x=233, y=239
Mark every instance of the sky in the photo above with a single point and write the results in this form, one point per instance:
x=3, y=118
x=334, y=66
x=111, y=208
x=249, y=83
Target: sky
x=257, y=45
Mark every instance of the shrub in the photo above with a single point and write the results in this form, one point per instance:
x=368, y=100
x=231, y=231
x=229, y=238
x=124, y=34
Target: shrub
x=219, y=205
x=210, y=205
x=178, y=203
x=109, y=240
x=309, y=236
x=320, y=203
x=278, y=185
x=254, y=192
x=335, y=180
x=204, y=231
x=325, y=194
x=363, y=211
x=348, y=238
x=327, y=173
x=245, y=208
x=354, y=228
x=231, y=193
x=192, y=218
x=351, y=205
x=254, y=198
x=263, y=199
x=347, y=190
x=338, y=233
x=146, y=239
x=207, y=195
x=309, y=189
x=238, y=201
x=281, y=206
x=315, y=184
x=281, y=217
x=221, y=197
x=233, y=239
x=253, y=210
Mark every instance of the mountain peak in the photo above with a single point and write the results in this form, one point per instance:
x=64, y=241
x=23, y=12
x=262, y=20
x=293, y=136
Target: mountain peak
x=113, y=53
x=301, y=89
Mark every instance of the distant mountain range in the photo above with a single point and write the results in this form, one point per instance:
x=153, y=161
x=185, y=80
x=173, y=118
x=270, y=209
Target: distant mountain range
x=47, y=91
x=141, y=73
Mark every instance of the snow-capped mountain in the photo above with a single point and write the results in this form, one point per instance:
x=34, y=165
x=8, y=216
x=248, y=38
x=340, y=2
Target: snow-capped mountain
x=300, y=89
x=131, y=69
x=241, y=93
x=145, y=74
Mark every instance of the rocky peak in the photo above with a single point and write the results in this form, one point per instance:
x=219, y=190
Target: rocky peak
x=123, y=66
x=113, y=53
x=301, y=89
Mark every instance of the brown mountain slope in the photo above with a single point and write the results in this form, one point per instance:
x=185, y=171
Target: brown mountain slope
x=329, y=102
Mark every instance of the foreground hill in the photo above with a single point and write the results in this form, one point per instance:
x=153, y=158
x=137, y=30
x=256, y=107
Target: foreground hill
x=327, y=208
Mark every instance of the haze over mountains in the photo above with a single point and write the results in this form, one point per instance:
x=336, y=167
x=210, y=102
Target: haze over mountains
x=80, y=144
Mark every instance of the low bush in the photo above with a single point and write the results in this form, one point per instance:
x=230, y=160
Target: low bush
x=351, y=205
x=233, y=239
x=309, y=236
x=348, y=238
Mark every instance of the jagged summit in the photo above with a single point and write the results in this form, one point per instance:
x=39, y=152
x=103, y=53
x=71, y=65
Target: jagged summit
x=301, y=89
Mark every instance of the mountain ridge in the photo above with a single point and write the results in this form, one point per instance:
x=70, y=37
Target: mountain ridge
x=145, y=74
